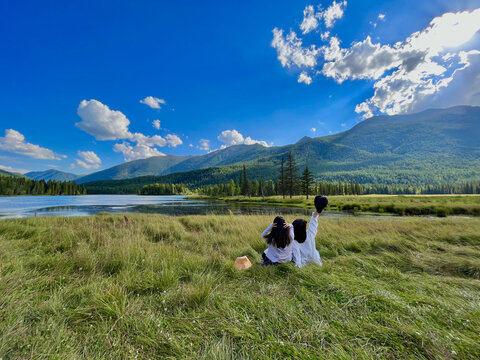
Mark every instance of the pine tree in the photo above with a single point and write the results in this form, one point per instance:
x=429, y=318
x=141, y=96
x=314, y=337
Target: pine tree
x=307, y=180
x=262, y=192
x=282, y=180
x=291, y=175
x=245, y=184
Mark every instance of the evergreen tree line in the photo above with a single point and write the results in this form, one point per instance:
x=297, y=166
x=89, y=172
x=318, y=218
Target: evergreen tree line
x=164, y=189
x=22, y=186
x=290, y=182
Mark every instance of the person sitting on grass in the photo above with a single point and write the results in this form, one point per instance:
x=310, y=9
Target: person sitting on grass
x=279, y=236
x=303, y=247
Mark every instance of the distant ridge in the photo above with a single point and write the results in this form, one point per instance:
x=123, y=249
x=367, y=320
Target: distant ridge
x=437, y=145
x=52, y=174
x=12, y=174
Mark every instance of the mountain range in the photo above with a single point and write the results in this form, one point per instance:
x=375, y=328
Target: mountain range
x=436, y=145
x=52, y=174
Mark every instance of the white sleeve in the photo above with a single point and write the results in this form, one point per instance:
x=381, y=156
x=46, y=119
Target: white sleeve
x=267, y=231
x=312, y=229
x=311, y=252
x=292, y=233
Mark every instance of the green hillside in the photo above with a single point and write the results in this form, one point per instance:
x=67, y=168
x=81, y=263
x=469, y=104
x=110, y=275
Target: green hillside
x=52, y=174
x=433, y=146
x=7, y=173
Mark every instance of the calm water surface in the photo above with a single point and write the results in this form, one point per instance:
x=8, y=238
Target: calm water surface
x=24, y=206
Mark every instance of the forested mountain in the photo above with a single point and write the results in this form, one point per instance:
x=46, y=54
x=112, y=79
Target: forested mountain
x=12, y=174
x=434, y=146
x=52, y=174
x=157, y=165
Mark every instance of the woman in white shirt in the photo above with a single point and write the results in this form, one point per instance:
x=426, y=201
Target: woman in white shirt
x=279, y=236
x=303, y=247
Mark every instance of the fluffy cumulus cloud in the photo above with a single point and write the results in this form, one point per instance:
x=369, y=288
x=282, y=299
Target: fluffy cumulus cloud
x=153, y=102
x=406, y=75
x=134, y=152
x=333, y=13
x=173, y=140
x=304, y=78
x=291, y=52
x=204, y=144
x=88, y=160
x=14, y=142
x=101, y=122
x=233, y=137
x=310, y=21
x=105, y=124
x=311, y=18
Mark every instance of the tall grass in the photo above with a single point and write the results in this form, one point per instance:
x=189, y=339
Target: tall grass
x=165, y=287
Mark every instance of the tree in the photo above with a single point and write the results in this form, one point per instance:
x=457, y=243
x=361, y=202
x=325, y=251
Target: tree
x=282, y=180
x=245, y=184
x=307, y=180
x=262, y=185
x=291, y=175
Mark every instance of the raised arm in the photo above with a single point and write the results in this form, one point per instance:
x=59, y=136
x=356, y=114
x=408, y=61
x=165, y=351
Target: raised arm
x=312, y=228
x=267, y=231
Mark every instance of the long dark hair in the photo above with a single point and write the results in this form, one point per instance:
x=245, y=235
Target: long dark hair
x=300, y=230
x=279, y=236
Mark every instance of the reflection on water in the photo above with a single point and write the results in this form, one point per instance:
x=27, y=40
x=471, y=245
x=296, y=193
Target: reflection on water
x=25, y=206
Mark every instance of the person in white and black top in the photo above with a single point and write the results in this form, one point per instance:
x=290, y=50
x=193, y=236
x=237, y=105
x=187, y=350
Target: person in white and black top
x=303, y=247
x=279, y=236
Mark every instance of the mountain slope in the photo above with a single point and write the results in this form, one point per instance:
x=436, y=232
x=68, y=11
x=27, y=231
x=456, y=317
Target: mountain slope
x=157, y=165
x=52, y=174
x=12, y=174
x=432, y=146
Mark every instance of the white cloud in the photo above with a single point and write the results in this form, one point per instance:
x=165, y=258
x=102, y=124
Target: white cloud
x=329, y=16
x=173, y=140
x=290, y=50
x=325, y=35
x=105, y=124
x=304, y=78
x=333, y=13
x=14, y=142
x=89, y=160
x=310, y=21
x=101, y=122
x=204, y=144
x=156, y=124
x=153, y=102
x=406, y=74
x=233, y=137
x=155, y=140
x=313, y=130
x=136, y=152
x=13, y=170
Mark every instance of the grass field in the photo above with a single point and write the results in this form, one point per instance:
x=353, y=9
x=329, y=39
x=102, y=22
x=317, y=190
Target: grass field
x=165, y=287
x=438, y=205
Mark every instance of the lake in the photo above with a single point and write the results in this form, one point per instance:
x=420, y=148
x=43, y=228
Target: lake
x=25, y=206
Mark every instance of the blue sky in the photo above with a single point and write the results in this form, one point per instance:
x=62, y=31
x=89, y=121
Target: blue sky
x=218, y=73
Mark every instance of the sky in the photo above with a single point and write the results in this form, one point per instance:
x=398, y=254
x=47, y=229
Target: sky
x=86, y=85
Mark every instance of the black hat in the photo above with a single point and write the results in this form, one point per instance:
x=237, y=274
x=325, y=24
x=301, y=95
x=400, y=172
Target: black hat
x=321, y=203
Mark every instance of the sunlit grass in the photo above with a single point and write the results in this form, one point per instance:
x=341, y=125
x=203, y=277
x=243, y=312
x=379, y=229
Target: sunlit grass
x=165, y=287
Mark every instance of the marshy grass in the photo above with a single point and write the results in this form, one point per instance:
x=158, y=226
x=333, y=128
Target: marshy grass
x=165, y=287
x=403, y=205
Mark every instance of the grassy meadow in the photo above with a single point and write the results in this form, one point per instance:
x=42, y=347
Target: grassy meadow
x=403, y=205
x=165, y=287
